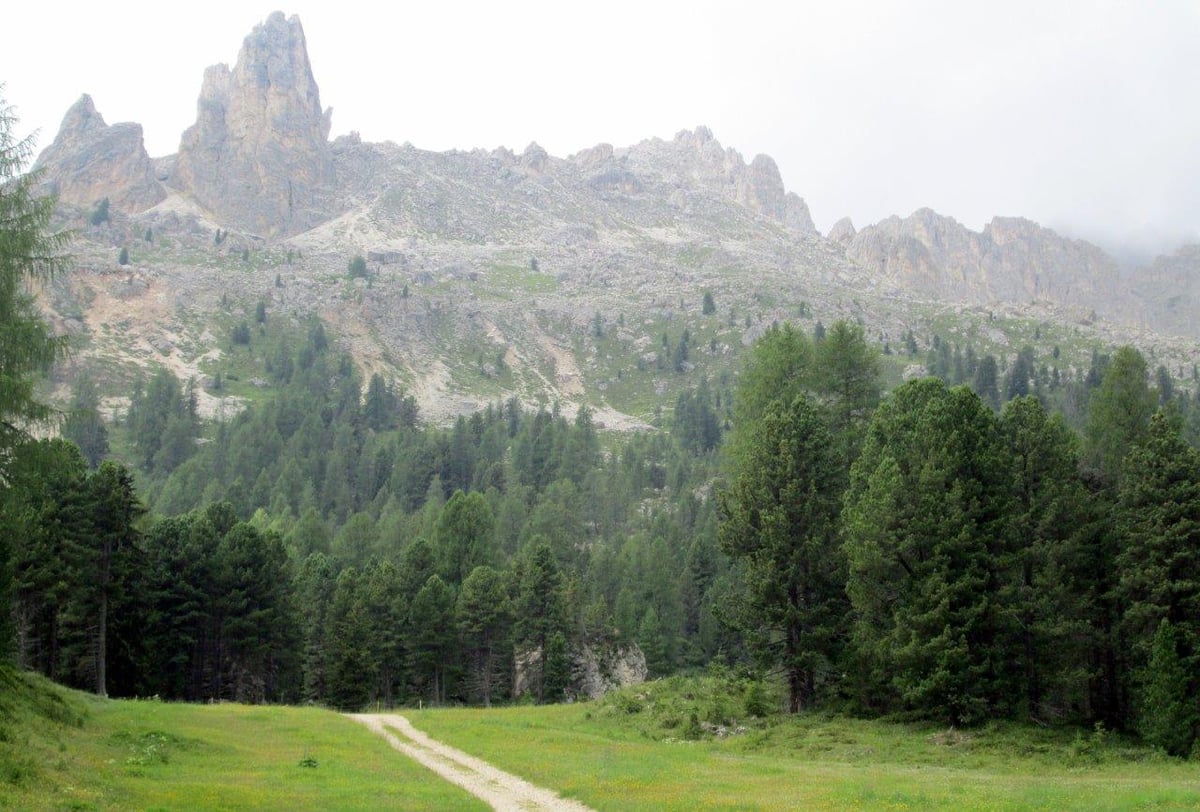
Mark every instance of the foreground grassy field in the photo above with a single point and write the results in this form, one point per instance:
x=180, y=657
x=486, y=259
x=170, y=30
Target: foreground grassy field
x=647, y=748
x=98, y=754
x=617, y=755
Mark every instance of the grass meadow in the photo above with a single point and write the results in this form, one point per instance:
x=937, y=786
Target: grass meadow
x=652, y=747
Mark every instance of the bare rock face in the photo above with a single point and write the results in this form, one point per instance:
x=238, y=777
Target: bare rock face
x=1012, y=260
x=90, y=160
x=1170, y=287
x=258, y=156
x=760, y=187
x=842, y=232
x=594, y=670
x=694, y=161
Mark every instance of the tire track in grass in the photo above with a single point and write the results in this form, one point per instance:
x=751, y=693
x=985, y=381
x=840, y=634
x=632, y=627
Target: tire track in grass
x=501, y=790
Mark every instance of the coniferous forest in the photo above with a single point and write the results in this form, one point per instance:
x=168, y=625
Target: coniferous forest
x=964, y=547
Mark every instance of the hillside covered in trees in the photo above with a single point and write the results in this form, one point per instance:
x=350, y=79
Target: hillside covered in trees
x=915, y=553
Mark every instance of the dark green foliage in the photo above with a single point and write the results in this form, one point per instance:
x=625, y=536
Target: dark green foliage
x=484, y=616
x=99, y=215
x=986, y=382
x=83, y=425
x=1159, y=567
x=123, y=256
x=260, y=312
x=1119, y=413
x=357, y=268
x=472, y=562
x=540, y=614
x=29, y=252
x=708, y=306
x=1168, y=714
x=432, y=639
x=927, y=538
x=219, y=594
x=462, y=535
x=241, y=334
x=697, y=424
x=780, y=522
x=351, y=669
x=1054, y=609
x=162, y=423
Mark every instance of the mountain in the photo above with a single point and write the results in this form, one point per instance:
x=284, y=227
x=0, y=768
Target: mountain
x=495, y=273
x=1012, y=260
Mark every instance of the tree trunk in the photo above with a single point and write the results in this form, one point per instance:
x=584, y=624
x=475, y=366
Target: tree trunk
x=102, y=620
x=102, y=645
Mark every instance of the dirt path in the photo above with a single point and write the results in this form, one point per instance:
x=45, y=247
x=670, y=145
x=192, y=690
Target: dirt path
x=503, y=791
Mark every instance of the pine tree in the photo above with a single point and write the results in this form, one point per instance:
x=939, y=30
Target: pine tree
x=1159, y=563
x=540, y=615
x=1167, y=714
x=483, y=615
x=779, y=521
x=29, y=253
x=927, y=542
x=83, y=425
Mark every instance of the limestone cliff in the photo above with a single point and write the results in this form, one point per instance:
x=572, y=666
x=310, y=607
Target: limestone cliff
x=258, y=156
x=1011, y=260
x=90, y=160
x=1170, y=288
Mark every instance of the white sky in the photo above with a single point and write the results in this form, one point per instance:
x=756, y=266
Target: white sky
x=1084, y=116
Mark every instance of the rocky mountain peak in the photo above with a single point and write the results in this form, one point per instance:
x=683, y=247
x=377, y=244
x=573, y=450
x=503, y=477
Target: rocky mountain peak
x=258, y=156
x=90, y=160
x=1010, y=260
x=842, y=232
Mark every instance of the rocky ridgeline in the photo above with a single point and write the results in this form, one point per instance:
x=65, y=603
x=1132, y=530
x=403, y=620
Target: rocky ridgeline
x=1012, y=260
x=634, y=234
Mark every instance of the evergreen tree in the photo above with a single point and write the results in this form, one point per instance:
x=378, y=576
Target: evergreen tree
x=432, y=638
x=1167, y=714
x=102, y=519
x=1159, y=563
x=780, y=519
x=540, y=615
x=985, y=383
x=29, y=253
x=1053, y=596
x=351, y=668
x=83, y=425
x=846, y=379
x=927, y=541
x=483, y=614
x=100, y=214
x=1118, y=414
x=462, y=536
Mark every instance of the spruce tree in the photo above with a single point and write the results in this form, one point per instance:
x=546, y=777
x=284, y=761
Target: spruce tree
x=927, y=539
x=779, y=522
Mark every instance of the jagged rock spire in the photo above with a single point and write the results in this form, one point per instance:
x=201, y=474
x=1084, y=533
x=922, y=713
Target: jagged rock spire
x=258, y=156
x=90, y=160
